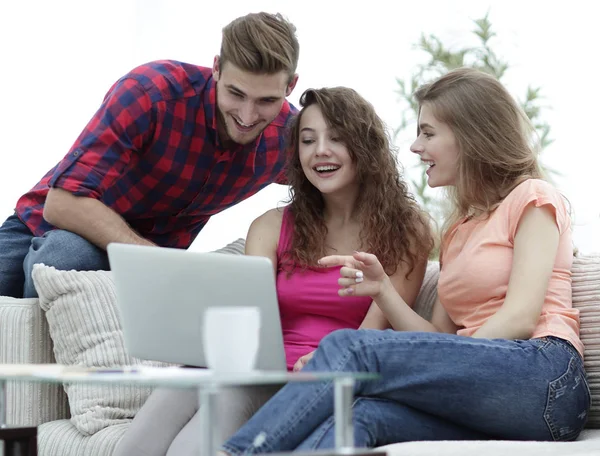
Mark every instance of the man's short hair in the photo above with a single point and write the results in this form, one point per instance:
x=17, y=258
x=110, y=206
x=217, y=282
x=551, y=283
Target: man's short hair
x=261, y=43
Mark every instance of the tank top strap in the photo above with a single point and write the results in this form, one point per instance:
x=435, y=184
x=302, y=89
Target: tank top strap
x=286, y=233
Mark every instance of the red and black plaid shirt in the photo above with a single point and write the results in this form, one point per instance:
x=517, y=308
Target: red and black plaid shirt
x=151, y=153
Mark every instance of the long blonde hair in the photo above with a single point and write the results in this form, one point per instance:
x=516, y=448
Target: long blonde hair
x=496, y=140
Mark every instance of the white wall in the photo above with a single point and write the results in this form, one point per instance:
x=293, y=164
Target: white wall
x=58, y=58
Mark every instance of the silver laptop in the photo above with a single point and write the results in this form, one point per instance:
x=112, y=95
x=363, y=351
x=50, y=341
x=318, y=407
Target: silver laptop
x=162, y=294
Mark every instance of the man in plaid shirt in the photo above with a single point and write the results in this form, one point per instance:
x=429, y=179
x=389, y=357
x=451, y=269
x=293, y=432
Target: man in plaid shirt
x=171, y=145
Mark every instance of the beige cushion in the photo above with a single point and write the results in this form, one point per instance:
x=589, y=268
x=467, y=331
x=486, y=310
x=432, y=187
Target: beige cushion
x=24, y=339
x=61, y=438
x=235, y=248
x=86, y=331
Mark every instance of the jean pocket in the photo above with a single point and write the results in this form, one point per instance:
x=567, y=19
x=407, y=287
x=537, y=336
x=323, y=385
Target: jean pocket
x=568, y=403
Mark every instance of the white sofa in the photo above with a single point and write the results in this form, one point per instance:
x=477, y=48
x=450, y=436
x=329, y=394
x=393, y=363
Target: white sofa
x=25, y=338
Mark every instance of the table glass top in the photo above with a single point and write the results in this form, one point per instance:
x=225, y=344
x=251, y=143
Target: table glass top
x=179, y=377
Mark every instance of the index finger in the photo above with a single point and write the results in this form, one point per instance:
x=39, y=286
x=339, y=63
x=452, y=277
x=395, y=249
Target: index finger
x=337, y=260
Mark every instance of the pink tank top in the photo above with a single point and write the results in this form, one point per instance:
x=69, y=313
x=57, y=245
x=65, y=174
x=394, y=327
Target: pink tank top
x=309, y=304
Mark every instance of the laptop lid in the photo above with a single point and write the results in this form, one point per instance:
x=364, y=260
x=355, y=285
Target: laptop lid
x=162, y=294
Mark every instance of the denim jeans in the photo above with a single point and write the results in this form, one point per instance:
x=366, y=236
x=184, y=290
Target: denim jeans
x=433, y=386
x=20, y=250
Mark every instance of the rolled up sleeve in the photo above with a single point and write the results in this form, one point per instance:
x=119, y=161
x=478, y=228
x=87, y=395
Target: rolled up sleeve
x=109, y=144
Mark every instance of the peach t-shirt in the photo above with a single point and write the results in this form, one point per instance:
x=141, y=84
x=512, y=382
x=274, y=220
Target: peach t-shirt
x=477, y=258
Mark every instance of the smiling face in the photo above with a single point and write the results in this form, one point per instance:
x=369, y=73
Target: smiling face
x=437, y=147
x=325, y=160
x=246, y=102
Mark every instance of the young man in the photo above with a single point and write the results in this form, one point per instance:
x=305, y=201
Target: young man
x=171, y=145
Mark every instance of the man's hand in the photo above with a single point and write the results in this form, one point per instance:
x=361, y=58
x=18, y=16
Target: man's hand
x=302, y=361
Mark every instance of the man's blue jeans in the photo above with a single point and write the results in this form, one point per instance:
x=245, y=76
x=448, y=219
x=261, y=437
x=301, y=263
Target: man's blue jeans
x=433, y=386
x=20, y=250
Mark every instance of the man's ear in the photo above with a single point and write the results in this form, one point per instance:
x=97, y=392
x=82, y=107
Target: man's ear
x=216, y=68
x=290, y=87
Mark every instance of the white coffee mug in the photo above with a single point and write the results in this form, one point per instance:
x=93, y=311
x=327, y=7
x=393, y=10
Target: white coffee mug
x=231, y=338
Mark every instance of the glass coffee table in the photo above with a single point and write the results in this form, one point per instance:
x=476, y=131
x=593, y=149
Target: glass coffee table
x=206, y=382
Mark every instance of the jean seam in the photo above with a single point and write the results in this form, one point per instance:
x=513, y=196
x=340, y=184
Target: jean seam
x=575, y=356
x=293, y=421
x=362, y=343
x=330, y=422
x=230, y=450
x=552, y=387
x=547, y=342
x=567, y=347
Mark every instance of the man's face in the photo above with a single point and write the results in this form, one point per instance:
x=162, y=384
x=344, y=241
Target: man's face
x=247, y=102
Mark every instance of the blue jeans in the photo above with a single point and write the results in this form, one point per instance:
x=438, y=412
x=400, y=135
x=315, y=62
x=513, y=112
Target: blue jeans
x=20, y=250
x=433, y=386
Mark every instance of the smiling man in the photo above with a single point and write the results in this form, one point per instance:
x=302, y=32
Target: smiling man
x=171, y=145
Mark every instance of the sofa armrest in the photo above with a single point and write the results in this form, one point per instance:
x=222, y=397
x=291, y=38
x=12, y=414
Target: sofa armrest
x=24, y=338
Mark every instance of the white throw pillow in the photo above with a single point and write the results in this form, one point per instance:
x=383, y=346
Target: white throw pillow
x=85, y=327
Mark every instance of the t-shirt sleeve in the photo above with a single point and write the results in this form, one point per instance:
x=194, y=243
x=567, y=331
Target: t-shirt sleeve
x=538, y=193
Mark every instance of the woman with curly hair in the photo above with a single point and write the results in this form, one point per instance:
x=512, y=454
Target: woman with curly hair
x=346, y=194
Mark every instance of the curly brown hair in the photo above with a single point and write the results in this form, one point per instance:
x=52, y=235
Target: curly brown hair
x=392, y=225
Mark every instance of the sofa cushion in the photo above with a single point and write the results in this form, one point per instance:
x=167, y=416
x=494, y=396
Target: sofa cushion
x=85, y=328
x=428, y=293
x=235, y=248
x=586, y=298
x=24, y=340
x=62, y=438
x=588, y=444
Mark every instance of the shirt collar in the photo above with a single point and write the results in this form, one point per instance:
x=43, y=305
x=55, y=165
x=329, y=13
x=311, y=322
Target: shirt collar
x=210, y=104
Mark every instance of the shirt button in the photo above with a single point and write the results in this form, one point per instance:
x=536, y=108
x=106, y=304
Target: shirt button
x=76, y=153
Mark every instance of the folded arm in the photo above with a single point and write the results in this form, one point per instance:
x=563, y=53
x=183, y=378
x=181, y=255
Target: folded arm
x=89, y=218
